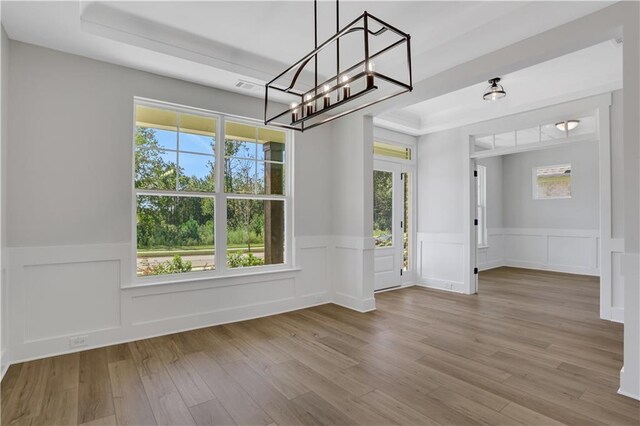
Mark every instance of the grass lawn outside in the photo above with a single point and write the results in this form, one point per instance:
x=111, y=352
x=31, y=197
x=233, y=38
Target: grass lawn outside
x=194, y=250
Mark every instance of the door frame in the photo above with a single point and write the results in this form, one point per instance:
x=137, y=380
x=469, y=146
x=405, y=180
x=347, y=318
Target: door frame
x=601, y=104
x=406, y=166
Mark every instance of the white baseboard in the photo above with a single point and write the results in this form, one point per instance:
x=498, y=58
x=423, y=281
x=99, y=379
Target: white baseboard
x=4, y=364
x=439, y=284
x=353, y=303
x=628, y=395
x=552, y=268
x=54, y=346
x=491, y=265
x=622, y=391
x=617, y=314
x=400, y=287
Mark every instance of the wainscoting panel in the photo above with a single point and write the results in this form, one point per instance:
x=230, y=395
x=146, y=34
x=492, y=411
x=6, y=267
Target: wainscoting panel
x=441, y=261
x=560, y=250
x=524, y=249
x=184, y=303
x=572, y=252
x=89, y=293
x=70, y=298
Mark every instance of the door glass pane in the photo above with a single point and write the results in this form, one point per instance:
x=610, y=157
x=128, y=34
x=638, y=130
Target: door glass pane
x=483, y=143
x=391, y=150
x=505, y=140
x=406, y=189
x=382, y=208
x=528, y=136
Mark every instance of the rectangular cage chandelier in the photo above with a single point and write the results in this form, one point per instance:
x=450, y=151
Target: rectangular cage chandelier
x=378, y=68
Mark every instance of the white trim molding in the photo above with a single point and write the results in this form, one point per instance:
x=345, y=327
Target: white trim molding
x=573, y=251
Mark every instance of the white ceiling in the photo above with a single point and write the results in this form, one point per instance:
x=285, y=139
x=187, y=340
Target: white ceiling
x=583, y=73
x=217, y=43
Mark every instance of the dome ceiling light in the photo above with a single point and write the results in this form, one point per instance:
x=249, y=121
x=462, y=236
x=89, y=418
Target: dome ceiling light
x=567, y=125
x=343, y=89
x=495, y=91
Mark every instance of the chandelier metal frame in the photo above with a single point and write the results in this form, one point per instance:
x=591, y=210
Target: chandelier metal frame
x=299, y=114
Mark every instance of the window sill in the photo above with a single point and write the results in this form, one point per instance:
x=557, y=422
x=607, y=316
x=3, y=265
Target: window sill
x=199, y=279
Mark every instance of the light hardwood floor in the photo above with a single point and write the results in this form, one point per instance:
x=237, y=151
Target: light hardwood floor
x=528, y=349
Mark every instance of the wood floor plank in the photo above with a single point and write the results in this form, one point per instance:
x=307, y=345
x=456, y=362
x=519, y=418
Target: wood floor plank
x=321, y=410
x=211, y=413
x=402, y=413
x=529, y=348
x=60, y=407
x=129, y=397
x=103, y=421
x=233, y=398
x=95, y=399
x=274, y=403
x=262, y=365
x=166, y=403
x=528, y=417
x=192, y=388
x=146, y=358
x=26, y=398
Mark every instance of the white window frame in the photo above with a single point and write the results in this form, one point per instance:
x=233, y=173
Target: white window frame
x=534, y=182
x=220, y=201
x=481, y=204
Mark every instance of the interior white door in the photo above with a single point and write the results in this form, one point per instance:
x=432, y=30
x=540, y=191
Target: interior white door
x=387, y=224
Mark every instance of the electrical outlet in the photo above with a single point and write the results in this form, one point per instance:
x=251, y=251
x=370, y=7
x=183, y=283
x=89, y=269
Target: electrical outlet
x=78, y=341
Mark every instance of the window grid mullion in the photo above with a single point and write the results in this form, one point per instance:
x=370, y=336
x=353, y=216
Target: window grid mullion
x=178, y=154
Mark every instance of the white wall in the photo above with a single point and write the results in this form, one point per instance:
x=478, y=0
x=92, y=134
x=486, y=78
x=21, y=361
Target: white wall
x=580, y=211
x=69, y=211
x=4, y=87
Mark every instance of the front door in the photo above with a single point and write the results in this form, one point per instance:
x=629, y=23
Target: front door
x=387, y=224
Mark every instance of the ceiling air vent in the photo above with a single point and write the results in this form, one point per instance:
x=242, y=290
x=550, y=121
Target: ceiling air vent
x=247, y=85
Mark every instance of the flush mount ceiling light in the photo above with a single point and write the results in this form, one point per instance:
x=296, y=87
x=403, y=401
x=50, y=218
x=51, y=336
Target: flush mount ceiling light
x=319, y=97
x=495, y=91
x=567, y=125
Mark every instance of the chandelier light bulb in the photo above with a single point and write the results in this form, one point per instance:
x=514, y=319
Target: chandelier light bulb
x=327, y=96
x=309, y=106
x=369, y=69
x=295, y=114
x=346, y=90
